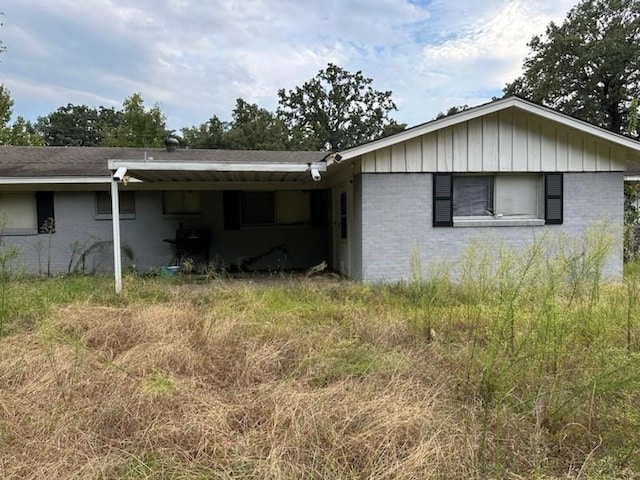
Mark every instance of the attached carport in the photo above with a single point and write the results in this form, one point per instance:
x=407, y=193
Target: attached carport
x=233, y=169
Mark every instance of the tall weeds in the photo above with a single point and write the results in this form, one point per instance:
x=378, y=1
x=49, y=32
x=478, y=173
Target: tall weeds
x=519, y=365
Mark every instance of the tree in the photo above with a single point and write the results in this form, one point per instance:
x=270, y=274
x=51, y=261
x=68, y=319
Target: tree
x=6, y=110
x=588, y=67
x=632, y=119
x=20, y=132
x=24, y=133
x=255, y=128
x=139, y=127
x=334, y=110
x=211, y=134
x=73, y=125
x=452, y=111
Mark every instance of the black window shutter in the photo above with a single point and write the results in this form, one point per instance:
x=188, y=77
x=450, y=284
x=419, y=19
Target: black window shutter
x=443, y=200
x=45, y=212
x=231, y=205
x=553, y=191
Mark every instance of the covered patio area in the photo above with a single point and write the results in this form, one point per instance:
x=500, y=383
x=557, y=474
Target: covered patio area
x=232, y=210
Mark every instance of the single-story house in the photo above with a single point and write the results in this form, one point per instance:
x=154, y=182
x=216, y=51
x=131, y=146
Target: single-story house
x=507, y=170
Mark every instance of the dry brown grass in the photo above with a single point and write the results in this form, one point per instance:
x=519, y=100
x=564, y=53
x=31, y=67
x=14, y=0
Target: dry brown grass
x=222, y=381
x=180, y=390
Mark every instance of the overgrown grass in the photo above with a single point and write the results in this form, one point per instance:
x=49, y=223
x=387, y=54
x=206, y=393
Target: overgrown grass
x=520, y=368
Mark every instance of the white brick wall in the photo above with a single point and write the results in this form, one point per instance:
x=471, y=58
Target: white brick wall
x=76, y=223
x=397, y=220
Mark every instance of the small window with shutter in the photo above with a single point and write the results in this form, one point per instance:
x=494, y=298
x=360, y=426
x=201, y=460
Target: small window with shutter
x=490, y=200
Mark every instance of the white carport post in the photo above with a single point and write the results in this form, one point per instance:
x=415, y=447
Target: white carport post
x=115, y=220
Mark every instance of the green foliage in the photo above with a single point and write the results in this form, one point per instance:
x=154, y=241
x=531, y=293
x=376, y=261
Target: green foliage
x=631, y=220
x=526, y=377
x=20, y=132
x=6, y=107
x=140, y=127
x=452, y=111
x=78, y=125
x=7, y=255
x=334, y=110
x=252, y=128
x=255, y=128
x=211, y=134
x=632, y=120
x=589, y=66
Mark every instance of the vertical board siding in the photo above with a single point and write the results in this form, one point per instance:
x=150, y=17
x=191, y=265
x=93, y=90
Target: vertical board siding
x=369, y=162
x=430, y=154
x=445, y=150
x=414, y=155
x=575, y=152
x=548, y=162
x=505, y=141
x=508, y=141
x=589, y=155
x=562, y=150
x=534, y=148
x=398, y=158
x=618, y=158
x=460, y=151
x=603, y=157
x=475, y=145
x=383, y=160
x=490, y=143
x=519, y=142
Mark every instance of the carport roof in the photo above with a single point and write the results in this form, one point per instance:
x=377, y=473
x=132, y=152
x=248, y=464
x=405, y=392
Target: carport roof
x=52, y=164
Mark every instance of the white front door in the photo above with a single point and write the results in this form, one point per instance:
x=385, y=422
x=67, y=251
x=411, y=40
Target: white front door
x=341, y=228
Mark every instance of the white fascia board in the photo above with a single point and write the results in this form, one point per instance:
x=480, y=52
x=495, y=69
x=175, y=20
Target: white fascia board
x=141, y=165
x=52, y=180
x=488, y=109
x=632, y=178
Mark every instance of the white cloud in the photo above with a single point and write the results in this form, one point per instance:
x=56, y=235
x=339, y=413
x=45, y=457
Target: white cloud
x=195, y=57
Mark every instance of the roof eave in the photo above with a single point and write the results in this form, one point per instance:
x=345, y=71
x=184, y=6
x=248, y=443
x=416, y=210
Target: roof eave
x=53, y=180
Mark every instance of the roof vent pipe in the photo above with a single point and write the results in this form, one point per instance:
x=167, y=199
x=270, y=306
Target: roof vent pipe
x=171, y=144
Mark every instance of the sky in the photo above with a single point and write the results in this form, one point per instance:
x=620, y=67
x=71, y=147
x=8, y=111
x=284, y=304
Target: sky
x=194, y=58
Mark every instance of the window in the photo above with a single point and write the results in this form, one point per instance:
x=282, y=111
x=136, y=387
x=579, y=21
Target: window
x=516, y=200
x=181, y=202
x=257, y=208
x=472, y=196
x=264, y=208
x=18, y=213
x=24, y=213
x=127, y=201
x=292, y=207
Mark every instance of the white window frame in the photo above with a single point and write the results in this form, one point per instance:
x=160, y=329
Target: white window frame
x=500, y=215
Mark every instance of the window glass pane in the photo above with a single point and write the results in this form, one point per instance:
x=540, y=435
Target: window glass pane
x=473, y=195
x=192, y=202
x=176, y=202
x=18, y=211
x=171, y=202
x=517, y=195
x=292, y=207
x=257, y=208
x=126, y=198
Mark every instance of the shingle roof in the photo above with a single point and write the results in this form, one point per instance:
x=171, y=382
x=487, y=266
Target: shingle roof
x=17, y=162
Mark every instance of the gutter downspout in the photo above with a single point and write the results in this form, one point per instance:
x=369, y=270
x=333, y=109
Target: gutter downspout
x=115, y=221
